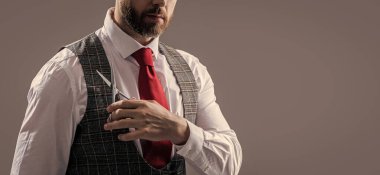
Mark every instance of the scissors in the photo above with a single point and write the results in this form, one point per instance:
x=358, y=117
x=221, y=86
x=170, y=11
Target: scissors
x=115, y=91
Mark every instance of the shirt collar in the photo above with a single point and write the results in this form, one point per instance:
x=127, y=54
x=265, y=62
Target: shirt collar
x=124, y=43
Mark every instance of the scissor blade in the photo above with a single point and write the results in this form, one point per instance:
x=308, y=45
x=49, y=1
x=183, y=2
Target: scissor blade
x=104, y=78
x=109, y=84
x=123, y=95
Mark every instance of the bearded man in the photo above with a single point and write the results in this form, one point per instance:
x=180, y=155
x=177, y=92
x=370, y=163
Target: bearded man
x=120, y=102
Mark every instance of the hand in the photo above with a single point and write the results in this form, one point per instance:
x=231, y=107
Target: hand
x=151, y=121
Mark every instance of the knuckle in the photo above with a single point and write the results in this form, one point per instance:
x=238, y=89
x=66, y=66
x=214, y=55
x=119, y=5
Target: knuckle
x=145, y=103
x=118, y=112
x=146, y=122
x=144, y=113
x=145, y=130
x=140, y=112
x=124, y=103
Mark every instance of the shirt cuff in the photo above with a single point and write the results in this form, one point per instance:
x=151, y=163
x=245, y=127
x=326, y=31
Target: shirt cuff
x=193, y=147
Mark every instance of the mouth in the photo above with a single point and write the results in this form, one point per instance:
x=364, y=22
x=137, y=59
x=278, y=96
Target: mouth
x=152, y=17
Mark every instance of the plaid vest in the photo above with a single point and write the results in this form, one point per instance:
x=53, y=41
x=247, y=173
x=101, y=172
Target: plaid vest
x=96, y=151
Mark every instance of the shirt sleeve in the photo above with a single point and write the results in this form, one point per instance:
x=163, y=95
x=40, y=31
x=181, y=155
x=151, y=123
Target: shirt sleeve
x=45, y=137
x=212, y=147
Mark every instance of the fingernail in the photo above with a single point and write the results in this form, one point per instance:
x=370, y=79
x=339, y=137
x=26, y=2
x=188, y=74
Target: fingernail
x=105, y=126
x=119, y=137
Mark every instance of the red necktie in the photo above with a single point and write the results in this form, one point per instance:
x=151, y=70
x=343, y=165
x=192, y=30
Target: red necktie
x=156, y=153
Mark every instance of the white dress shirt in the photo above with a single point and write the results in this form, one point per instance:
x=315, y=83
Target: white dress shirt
x=58, y=96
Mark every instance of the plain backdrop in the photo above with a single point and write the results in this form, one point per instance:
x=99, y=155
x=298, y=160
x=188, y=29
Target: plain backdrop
x=298, y=80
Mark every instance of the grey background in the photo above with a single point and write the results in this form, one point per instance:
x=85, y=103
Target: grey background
x=298, y=80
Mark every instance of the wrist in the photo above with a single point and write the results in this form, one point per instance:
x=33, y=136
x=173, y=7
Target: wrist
x=181, y=132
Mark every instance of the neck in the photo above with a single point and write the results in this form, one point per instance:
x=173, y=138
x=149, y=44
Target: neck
x=117, y=18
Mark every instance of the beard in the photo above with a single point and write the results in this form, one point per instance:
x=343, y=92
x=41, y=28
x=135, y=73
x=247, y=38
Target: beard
x=138, y=25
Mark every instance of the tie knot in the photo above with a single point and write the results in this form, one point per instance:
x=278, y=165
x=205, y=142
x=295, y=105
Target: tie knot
x=144, y=57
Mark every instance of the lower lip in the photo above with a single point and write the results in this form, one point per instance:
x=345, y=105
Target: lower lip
x=154, y=19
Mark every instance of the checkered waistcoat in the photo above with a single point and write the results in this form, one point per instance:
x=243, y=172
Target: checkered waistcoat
x=96, y=151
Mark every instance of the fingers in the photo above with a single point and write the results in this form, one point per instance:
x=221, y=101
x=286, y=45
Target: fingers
x=124, y=123
x=119, y=114
x=125, y=104
x=132, y=135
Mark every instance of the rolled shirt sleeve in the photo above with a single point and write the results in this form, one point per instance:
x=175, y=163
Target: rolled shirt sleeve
x=212, y=147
